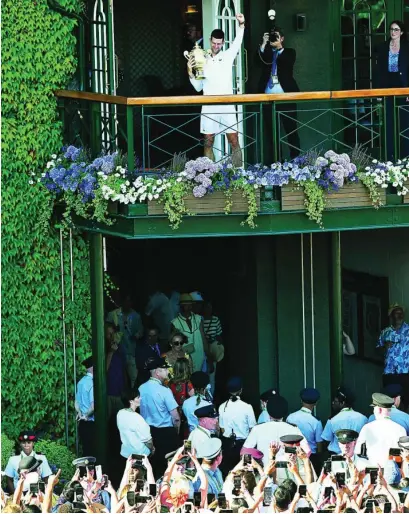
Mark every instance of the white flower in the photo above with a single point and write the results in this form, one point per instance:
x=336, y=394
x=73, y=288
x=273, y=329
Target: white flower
x=150, y=196
x=143, y=197
x=127, y=183
x=179, y=179
x=159, y=182
x=50, y=164
x=31, y=181
x=384, y=185
x=54, y=156
x=43, y=174
x=156, y=196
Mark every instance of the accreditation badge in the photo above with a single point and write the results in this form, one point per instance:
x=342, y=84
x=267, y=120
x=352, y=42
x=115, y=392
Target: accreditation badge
x=274, y=79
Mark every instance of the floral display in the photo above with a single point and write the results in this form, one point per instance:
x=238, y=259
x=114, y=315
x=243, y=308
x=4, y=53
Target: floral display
x=87, y=185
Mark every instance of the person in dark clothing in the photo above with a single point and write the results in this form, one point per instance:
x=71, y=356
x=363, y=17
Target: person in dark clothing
x=147, y=349
x=277, y=77
x=116, y=369
x=392, y=71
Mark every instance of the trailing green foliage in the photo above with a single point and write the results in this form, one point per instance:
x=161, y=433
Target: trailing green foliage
x=38, y=57
x=7, y=450
x=58, y=456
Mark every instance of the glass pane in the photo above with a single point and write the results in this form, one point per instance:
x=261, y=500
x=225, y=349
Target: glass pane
x=362, y=46
x=406, y=4
x=348, y=47
x=348, y=70
x=348, y=5
x=347, y=24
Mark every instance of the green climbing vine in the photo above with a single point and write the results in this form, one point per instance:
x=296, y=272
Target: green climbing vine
x=38, y=57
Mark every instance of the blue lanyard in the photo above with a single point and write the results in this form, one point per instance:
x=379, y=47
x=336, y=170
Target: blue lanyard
x=274, y=63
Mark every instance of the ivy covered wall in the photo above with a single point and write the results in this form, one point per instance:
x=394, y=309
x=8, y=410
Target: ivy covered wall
x=38, y=57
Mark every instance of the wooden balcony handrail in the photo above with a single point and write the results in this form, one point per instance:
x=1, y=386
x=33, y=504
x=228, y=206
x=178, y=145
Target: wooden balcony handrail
x=231, y=99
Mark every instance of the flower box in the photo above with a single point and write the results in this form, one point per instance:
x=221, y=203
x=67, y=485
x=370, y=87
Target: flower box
x=351, y=195
x=214, y=203
x=406, y=197
x=133, y=209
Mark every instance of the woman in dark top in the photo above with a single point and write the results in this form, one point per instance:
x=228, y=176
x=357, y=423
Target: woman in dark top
x=392, y=71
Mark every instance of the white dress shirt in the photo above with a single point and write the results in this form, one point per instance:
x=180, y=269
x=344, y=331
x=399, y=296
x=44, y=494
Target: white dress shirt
x=199, y=436
x=379, y=436
x=134, y=432
x=237, y=417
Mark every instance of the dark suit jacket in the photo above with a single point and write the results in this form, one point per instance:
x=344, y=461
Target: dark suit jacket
x=381, y=65
x=285, y=69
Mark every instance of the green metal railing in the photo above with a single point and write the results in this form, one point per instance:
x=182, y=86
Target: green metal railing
x=271, y=127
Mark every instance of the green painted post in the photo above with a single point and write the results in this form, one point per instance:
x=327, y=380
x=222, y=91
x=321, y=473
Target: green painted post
x=261, y=134
x=98, y=339
x=336, y=317
x=396, y=128
x=276, y=144
x=130, y=138
x=143, y=137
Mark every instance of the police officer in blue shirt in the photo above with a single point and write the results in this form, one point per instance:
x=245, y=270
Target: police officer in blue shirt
x=160, y=410
x=26, y=439
x=346, y=418
x=310, y=426
x=402, y=418
x=84, y=405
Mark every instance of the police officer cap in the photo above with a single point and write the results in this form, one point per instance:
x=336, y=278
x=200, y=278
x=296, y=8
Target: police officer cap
x=234, y=384
x=266, y=395
x=27, y=435
x=310, y=395
x=199, y=379
x=346, y=436
x=88, y=363
x=29, y=464
x=210, y=449
x=277, y=406
x=208, y=411
x=393, y=390
x=182, y=460
x=156, y=362
x=382, y=400
x=84, y=461
x=291, y=439
x=404, y=442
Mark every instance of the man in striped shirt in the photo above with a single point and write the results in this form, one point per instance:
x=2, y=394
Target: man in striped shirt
x=213, y=332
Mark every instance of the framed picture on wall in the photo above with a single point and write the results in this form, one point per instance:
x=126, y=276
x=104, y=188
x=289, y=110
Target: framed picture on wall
x=365, y=300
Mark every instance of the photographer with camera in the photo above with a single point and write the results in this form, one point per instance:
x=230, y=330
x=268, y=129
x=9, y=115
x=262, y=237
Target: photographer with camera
x=277, y=78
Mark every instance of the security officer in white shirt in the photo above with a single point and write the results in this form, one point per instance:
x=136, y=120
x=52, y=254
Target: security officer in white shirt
x=310, y=426
x=201, y=398
x=216, y=119
x=27, y=438
x=236, y=419
x=208, y=427
x=262, y=435
x=160, y=410
x=382, y=434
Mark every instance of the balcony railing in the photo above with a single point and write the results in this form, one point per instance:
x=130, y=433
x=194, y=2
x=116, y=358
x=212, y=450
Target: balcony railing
x=271, y=127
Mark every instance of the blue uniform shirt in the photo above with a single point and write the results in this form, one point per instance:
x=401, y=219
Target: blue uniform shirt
x=156, y=403
x=310, y=426
x=398, y=416
x=346, y=419
x=85, y=394
x=397, y=355
x=263, y=418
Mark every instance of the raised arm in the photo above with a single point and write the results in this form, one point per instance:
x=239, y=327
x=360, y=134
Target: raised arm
x=238, y=40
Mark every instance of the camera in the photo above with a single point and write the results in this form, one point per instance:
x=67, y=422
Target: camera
x=290, y=449
x=273, y=35
x=246, y=458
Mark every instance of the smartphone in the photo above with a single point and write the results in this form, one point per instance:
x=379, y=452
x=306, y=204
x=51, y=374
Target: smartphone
x=387, y=507
x=340, y=478
x=141, y=499
x=83, y=471
x=130, y=498
x=237, y=482
x=281, y=464
x=105, y=481
x=246, y=459
x=210, y=498
x=140, y=485
x=402, y=497
x=328, y=492
x=221, y=501
x=41, y=486
x=394, y=452
x=368, y=471
x=187, y=446
x=98, y=472
x=327, y=467
x=337, y=458
x=34, y=489
x=152, y=490
x=138, y=459
x=374, y=476
x=187, y=507
x=302, y=490
x=79, y=505
x=197, y=499
x=268, y=496
x=290, y=449
x=78, y=496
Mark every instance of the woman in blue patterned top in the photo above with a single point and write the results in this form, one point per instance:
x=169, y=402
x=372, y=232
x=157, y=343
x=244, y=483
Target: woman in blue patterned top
x=392, y=71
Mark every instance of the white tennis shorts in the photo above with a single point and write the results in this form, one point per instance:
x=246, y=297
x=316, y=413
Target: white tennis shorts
x=218, y=119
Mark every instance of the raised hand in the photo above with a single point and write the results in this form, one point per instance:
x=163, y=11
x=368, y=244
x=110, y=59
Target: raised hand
x=240, y=18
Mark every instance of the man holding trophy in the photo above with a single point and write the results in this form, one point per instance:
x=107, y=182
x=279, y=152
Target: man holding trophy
x=212, y=73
